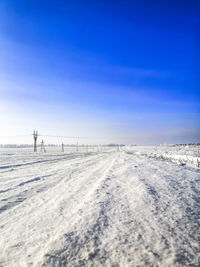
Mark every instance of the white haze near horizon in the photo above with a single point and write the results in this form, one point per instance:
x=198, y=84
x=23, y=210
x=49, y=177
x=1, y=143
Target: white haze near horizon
x=17, y=124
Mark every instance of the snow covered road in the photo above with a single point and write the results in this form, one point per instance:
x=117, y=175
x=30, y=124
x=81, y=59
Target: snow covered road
x=99, y=209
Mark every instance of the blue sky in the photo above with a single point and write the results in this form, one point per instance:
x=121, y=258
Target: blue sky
x=110, y=71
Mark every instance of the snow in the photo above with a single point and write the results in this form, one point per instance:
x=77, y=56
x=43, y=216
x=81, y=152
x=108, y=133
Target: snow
x=183, y=154
x=101, y=208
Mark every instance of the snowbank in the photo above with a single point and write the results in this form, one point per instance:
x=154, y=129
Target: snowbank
x=180, y=155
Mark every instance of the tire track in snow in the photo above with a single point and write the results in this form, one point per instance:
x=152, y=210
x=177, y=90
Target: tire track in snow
x=44, y=215
x=23, y=189
x=115, y=210
x=174, y=209
x=68, y=255
x=137, y=219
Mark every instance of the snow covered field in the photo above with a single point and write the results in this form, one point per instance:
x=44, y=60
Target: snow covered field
x=182, y=154
x=101, y=208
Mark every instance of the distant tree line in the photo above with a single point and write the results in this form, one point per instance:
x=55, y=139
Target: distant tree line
x=190, y=144
x=21, y=145
x=52, y=145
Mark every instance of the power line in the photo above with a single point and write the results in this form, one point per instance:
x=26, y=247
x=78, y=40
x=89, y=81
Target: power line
x=64, y=136
x=18, y=135
x=47, y=135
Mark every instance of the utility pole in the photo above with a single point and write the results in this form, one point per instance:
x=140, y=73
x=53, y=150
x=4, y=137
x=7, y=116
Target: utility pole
x=35, y=136
x=42, y=146
x=77, y=146
x=62, y=147
x=118, y=147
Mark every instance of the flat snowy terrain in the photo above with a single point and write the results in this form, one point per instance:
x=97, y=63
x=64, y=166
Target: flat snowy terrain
x=139, y=206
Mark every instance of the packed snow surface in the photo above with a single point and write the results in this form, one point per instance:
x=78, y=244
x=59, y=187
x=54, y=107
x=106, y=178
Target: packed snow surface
x=100, y=208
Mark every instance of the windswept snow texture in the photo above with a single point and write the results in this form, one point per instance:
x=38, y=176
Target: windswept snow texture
x=101, y=208
x=181, y=154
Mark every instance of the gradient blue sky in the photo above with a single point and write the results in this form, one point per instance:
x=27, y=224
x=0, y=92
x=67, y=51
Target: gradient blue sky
x=111, y=71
